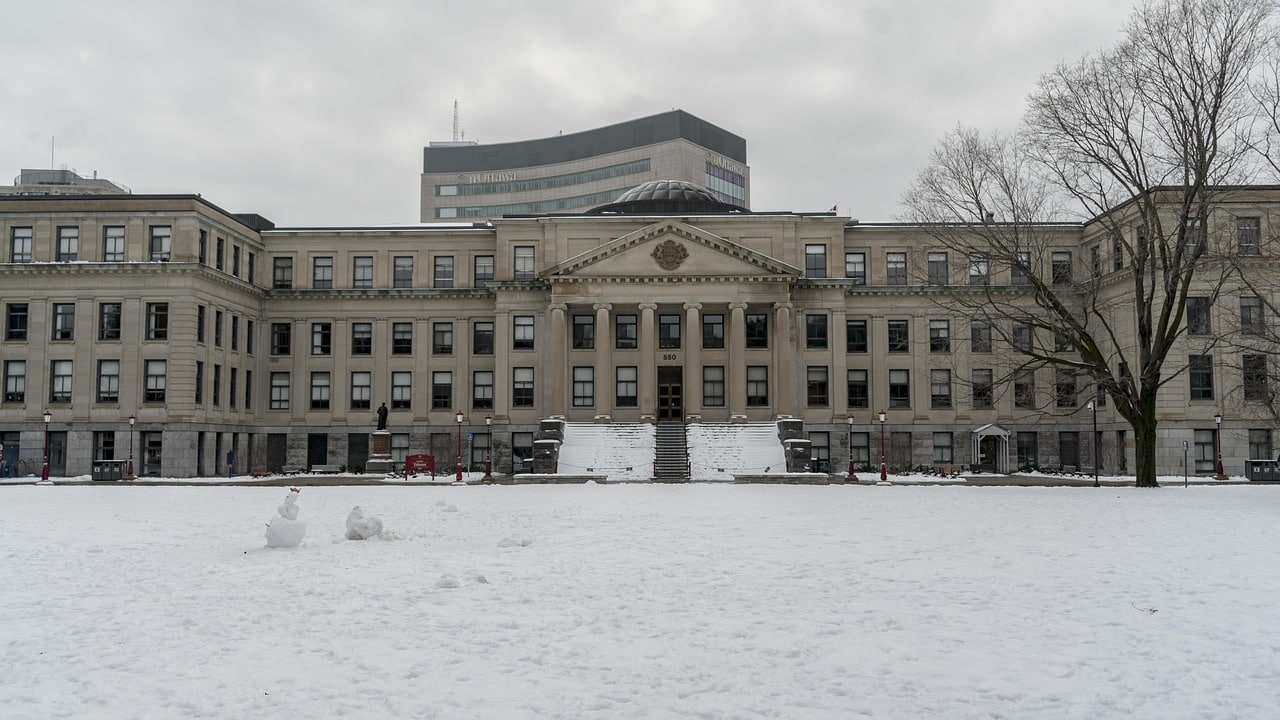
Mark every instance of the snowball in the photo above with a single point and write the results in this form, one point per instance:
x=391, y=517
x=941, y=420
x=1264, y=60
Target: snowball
x=285, y=533
x=447, y=581
x=361, y=527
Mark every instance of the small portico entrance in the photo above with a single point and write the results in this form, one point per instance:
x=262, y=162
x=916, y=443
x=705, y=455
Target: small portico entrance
x=991, y=449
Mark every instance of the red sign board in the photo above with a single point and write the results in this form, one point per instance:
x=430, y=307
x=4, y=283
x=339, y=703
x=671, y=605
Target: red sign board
x=420, y=464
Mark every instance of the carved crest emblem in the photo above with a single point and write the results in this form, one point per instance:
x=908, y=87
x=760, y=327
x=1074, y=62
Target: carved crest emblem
x=670, y=254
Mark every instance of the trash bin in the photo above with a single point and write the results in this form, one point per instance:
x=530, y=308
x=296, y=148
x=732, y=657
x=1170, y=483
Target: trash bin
x=108, y=470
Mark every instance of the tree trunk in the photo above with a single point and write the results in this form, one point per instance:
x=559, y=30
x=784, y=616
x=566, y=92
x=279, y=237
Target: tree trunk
x=1144, y=442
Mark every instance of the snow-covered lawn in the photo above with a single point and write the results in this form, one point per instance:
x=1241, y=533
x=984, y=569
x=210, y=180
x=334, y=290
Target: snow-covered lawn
x=643, y=601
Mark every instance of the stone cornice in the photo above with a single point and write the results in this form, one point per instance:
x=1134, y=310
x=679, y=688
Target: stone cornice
x=382, y=294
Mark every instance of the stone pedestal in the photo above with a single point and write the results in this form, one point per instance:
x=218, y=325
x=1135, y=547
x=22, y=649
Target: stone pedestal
x=379, y=452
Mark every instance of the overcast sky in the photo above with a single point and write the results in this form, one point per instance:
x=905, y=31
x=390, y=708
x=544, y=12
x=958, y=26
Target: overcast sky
x=316, y=113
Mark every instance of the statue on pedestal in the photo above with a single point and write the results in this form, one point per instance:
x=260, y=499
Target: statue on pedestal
x=382, y=416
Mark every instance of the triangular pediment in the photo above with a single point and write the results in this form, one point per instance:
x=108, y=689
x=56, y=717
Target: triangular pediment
x=673, y=251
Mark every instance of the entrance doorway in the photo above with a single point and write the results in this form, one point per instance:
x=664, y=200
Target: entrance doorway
x=671, y=393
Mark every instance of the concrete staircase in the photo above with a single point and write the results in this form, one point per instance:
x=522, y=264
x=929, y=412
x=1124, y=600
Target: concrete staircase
x=671, y=453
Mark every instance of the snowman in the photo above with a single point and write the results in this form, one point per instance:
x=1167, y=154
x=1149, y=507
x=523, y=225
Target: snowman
x=286, y=531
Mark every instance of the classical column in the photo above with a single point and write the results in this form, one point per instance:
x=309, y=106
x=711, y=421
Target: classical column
x=648, y=372
x=555, y=369
x=604, y=360
x=784, y=372
x=693, y=360
x=736, y=380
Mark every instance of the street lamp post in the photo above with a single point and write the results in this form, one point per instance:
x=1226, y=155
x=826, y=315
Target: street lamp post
x=44, y=470
x=458, y=474
x=1093, y=405
x=1217, y=441
x=129, y=467
x=488, y=453
x=884, y=470
x=851, y=472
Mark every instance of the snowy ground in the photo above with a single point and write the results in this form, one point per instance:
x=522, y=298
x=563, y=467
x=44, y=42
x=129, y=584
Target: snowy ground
x=643, y=601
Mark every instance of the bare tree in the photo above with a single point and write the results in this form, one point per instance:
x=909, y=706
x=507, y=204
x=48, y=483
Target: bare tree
x=1141, y=143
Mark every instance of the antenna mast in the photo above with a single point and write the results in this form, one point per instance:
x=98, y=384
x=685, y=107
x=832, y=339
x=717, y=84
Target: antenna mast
x=455, y=121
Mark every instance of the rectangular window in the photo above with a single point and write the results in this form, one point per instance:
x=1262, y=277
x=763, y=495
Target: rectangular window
x=402, y=272
x=522, y=387
x=1024, y=389
x=669, y=332
x=939, y=389
x=625, y=332
x=108, y=381
x=855, y=267
x=217, y=328
x=442, y=274
x=109, y=320
x=1062, y=341
x=221, y=246
x=248, y=338
x=940, y=336
x=815, y=261
x=201, y=312
x=199, y=384
x=855, y=336
x=1028, y=450
x=1255, y=378
x=859, y=389
x=113, y=243
x=20, y=245
x=15, y=321
x=980, y=336
x=279, y=391
x=60, y=381
x=1061, y=268
x=625, y=392
x=322, y=273
x=282, y=273
x=402, y=338
x=104, y=445
x=584, y=332
x=896, y=268
x=482, y=389
x=161, y=245
x=860, y=449
x=1260, y=444
x=817, y=386
x=482, y=338
x=232, y=389
x=235, y=265
x=68, y=244
x=321, y=388
x=361, y=338
x=248, y=377
x=361, y=390
x=757, y=326
x=441, y=390
x=942, y=448
x=1069, y=449
x=442, y=338
x=712, y=332
x=235, y=332
x=983, y=388
x=281, y=338
x=1249, y=235
x=1200, y=376
x=362, y=272
x=202, y=247
x=713, y=386
x=899, y=388
x=1117, y=252
x=1064, y=388
x=1197, y=316
x=1020, y=270
x=899, y=336
x=1024, y=338
x=64, y=321
x=1251, y=317
x=584, y=386
x=820, y=451
x=522, y=332
x=155, y=379
x=979, y=269
x=217, y=385
x=401, y=390
x=1205, y=442
x=939, y=272
x=483, y=270
x=158, y=321
x=757, y=386
x=815, y=331
x=249, y=277
x=15, y=381
x=522, y=262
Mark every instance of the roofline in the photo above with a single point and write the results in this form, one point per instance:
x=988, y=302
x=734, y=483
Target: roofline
x=137, y=197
